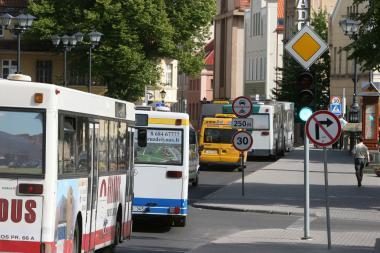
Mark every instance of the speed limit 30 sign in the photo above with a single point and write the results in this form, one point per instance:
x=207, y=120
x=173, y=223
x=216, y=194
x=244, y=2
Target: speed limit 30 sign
x=242, y=141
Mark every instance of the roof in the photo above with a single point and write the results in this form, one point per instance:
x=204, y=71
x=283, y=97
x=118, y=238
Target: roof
x=209, y=48
x=280, y=15
x=209, y=60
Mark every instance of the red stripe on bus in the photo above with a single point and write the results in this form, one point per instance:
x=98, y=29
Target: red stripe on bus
x=102, y=237
x=34, y=247
x=20, y=246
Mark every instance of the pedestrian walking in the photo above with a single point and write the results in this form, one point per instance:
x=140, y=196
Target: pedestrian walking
x=361, y=156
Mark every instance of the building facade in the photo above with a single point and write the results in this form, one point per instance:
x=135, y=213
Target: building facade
x=229, y=43
x=264, y=26
x=194, y=90
x=168, y=84
x=342, y=68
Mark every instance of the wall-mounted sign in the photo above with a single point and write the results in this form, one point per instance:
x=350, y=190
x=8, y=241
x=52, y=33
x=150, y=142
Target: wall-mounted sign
x=303, y=12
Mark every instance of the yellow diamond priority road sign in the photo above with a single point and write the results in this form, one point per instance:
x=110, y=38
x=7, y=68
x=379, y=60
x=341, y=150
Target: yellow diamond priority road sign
x=306, y=47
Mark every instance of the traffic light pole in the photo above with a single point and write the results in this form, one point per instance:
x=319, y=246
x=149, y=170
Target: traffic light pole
x=307, y=192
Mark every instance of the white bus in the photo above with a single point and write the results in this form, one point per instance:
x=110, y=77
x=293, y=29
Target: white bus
x=272, y=128
x=162, y=167
x=65, y=162
x=288, y=124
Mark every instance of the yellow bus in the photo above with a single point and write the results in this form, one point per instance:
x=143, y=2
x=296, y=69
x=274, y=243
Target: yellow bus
x=215, y=141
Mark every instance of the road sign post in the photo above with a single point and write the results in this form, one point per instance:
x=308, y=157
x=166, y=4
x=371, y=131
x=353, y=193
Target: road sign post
x=323, y=128
x=242, y=140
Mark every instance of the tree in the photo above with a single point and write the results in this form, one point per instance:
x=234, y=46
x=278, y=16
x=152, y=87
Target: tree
x=366, y=48
x=137, y=34
x=287, y=90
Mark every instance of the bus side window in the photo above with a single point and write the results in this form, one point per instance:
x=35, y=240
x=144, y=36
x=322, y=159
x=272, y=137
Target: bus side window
x=66, y=151
x=141, y=137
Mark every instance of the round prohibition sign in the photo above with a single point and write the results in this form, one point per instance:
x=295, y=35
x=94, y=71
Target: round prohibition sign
x=242, y=140
x=323, y=128
x=242, y=106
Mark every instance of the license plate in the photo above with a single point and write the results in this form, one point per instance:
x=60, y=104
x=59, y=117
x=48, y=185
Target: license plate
x=211, y=152
x=138, y=208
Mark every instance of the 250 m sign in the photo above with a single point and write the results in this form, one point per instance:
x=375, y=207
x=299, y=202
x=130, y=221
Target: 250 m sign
x=242, y=123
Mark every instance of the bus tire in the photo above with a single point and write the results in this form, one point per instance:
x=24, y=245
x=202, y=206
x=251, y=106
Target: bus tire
x=196, y=181
x=180, y=221
x=117, y=238
x=77, y=239
x=283, y=148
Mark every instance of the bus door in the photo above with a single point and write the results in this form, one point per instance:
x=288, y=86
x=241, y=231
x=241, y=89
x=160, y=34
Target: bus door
x=92, y=184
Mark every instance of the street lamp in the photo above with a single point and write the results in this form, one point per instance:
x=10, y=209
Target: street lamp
x=350, y=28
x=163, y=94
x=21, y=23
x=94, y=39
x=68, y=43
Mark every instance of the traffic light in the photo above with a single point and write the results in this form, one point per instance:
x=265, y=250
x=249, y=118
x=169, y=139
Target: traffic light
x=305, y=95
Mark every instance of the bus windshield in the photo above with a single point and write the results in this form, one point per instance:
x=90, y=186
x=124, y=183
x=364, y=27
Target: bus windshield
x=21, y=142
x=217, y=135
x=164, y=146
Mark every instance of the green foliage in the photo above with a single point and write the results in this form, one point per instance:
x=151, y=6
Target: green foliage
x=136, y=35
x=287, y=90
x=367, y=45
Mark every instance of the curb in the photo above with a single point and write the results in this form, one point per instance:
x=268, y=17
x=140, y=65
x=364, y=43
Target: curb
x=237, y=209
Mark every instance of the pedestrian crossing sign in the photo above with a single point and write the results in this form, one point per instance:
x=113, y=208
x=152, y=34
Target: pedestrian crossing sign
x=336, y=109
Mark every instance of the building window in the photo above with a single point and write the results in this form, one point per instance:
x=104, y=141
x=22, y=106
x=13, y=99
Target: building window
x=261, y=69
x=265, y=67
x=169, y=75
x=224, y=6
x=1, y=31
x=8, y=67
x=340, y=61
x=335, y=61
x=44, y=72
x=257, y=69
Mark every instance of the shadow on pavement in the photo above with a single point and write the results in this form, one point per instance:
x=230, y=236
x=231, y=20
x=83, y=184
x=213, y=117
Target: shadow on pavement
x=266, y=194
x=274, y=247
x=151, y=226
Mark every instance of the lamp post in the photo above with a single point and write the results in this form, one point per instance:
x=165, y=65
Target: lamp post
x=94, y=39
x=68, y=43
x=20, y=24
x=163, y=95
x=350, y=28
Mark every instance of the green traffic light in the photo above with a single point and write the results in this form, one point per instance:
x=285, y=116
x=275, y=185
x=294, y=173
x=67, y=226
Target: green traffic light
x=305, y=113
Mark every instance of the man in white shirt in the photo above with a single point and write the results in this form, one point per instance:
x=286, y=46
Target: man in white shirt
x=361, y=156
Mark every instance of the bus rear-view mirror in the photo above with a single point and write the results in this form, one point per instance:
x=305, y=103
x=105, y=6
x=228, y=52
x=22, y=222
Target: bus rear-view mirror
x=141, y=137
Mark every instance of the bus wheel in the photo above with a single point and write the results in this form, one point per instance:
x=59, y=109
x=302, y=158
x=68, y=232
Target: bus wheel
x=196, y=181
x=117, y=238
x=77, y=238
x=283, y=148
x=180, y=221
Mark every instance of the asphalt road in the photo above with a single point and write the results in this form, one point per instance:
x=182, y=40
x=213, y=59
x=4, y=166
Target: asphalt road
x=203, y=226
